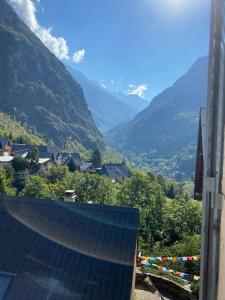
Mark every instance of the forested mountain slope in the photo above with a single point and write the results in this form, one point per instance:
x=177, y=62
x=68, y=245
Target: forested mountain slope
x=165, y=133
x=37, y=89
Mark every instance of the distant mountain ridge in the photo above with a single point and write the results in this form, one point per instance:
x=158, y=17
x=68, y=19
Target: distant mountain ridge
x=36, y=88
x=134, y=101
x=108, y=109
x=168, y=126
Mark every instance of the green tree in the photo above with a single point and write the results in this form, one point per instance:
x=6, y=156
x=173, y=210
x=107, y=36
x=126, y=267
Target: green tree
x=151, y=176
x=32, y=160
x=2, y=182
x=36, y=187
x=19, y=181
x=92, y=187
x=180, y=216
x=72, y=165
x=19, y=164
x=33, y=155
x=96, y=159
x=5, y=185
x=9, y=171
x=162, y=182
x=55, y=174
x=139, y=191
x=170, y=191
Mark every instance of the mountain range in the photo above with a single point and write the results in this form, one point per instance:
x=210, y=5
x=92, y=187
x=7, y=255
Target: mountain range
x=108, y=109
x=136, y=102
x=165, y=133
x=61, y=104
x=37, y=89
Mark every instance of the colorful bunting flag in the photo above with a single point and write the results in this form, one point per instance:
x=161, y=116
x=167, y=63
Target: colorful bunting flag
x=177, y=273
x=179, y=259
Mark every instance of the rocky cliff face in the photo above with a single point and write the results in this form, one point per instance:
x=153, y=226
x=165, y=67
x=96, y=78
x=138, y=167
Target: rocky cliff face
x=36, y=88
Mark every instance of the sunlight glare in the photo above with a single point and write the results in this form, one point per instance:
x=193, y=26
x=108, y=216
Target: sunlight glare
x=179, y=4
x=174, y=8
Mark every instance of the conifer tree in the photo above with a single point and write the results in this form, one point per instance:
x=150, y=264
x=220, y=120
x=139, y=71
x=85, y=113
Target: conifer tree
x=96, y=159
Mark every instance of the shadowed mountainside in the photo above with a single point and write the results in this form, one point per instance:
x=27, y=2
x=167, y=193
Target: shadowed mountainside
x=108, y=110
x=37, y=89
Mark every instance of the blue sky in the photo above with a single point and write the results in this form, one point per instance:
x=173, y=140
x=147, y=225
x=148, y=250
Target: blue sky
x=126, y=44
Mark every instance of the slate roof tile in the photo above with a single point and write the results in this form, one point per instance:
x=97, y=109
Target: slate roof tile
x=67, y=251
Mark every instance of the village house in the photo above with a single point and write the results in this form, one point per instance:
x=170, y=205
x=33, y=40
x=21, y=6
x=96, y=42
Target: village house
x=88, y=167
x=5, y=148
x=117, y=171
x=46, y=154
x=45, y=163
x=44, y=151
x=64, y=158
x=49, y=156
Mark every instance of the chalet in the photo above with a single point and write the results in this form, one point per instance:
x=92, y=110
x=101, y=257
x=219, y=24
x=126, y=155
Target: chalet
x=5, y=148
x=45, y=163
x=19, y=148
x=44, y=151
x=65, y=157
x=117, y=172
x=88, y=167
x=60, y=250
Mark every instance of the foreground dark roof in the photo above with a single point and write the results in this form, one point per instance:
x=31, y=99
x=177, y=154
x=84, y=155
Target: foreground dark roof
x=66, y=251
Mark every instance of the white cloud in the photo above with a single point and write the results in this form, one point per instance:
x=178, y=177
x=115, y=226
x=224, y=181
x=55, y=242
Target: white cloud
x=78, y=56
x=138, y=90
x=27, y=11
x=57, y=45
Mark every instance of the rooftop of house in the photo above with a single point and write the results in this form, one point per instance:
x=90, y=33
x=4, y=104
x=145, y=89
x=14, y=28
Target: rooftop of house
x=21, y=153
x=65, y=157
x=44, y=151
x=86, y=165
x=118, y=170
x=42, y=161
x=24, y=147
x=57, y=250
x=6, y=159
